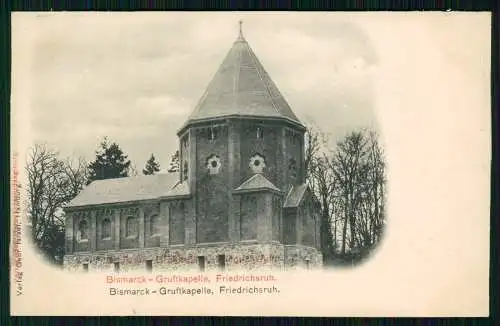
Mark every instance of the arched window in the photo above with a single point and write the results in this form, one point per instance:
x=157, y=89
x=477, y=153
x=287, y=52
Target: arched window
x=131, y=226
x=185, y=141
x=212, y=133
x=260, y=134
x=292, y=168
x=154, y=225
x=106, y=229
x=83, y=230
x=185, y=171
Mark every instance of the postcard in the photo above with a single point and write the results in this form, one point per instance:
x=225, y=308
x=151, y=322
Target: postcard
x=250, y=163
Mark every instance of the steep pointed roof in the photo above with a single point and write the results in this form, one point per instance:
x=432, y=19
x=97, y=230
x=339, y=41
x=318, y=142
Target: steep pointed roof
x=242, y=87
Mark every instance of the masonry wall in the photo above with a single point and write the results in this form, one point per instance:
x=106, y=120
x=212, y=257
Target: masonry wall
x=303, y=257
x=177, y=222
x=294, y=151
x=290, y=226
x=212, y=200
x=267, y=146
x=184, y=156
x=277, y=218
x=254, y=254
x=248, y=217
x=269, y=256
x=308, y=235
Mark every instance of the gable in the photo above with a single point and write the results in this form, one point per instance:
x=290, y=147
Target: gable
x=295, y=195
x=298, y=194
x=256, y=182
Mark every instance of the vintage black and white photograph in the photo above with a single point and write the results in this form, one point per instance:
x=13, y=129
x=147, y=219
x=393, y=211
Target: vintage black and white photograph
x=170, y=143
x=230, y=176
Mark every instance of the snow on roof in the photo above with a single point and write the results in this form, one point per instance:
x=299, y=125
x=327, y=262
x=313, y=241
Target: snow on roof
x=295, y=195
x=256, y=182
x=179, y=190
x=127, y=189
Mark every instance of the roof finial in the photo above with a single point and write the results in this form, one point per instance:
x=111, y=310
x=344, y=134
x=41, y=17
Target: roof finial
x=241, y=30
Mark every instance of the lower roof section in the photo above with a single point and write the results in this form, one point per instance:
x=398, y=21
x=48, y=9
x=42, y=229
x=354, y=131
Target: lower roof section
x=255, y=183
x=128, y=189
x=295, y=196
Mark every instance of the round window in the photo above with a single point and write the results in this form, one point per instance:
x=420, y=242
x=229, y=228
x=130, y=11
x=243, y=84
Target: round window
x=257, y=163
x=213, y=164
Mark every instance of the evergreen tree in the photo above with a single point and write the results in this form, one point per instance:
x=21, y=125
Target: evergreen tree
x=151, y=166
x=174, y=162
x=110, y=162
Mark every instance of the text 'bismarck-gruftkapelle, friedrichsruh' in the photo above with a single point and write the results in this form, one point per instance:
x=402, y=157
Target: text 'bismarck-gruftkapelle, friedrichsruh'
x=190, y=279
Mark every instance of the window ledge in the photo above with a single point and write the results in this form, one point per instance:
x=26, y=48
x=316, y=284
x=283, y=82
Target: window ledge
x=83, y=240
x=131, y=237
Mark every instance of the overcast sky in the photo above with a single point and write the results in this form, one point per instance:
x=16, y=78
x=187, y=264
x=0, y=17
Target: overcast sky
x=135, y=77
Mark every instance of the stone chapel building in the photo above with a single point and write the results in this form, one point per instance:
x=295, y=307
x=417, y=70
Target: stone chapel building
x=240, y=200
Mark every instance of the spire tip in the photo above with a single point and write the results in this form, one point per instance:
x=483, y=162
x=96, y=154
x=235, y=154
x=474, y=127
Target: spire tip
x=241, y=29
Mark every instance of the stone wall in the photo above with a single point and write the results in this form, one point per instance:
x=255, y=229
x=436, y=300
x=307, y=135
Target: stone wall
x=294, y=151
x=266, y=146
x=298, y=256
x=290, y=226
x=277, y=218
x=308, y=232
x=185, y=258
x=212, y=201
x=248, y=217
x=177, y=222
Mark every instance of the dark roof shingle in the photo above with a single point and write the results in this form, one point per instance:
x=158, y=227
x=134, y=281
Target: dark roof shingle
x=242, y=87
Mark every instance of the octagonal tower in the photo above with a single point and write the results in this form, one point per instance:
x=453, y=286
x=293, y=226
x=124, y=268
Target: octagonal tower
x=241, y=130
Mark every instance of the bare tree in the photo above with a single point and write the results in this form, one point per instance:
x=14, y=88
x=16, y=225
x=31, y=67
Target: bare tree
x=321, y=181
x=349, y=183
x=52, y=183
x=358, y=165
x=376, y=190
x=350, y=170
